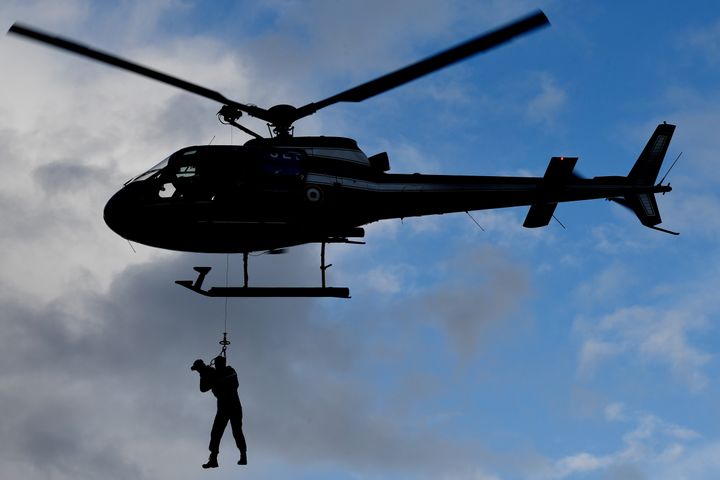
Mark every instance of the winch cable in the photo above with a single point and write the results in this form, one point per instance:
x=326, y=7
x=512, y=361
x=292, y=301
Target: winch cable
x=225, y=342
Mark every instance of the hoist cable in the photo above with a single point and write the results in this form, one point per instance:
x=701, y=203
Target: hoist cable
x=227, y=276
x=225, y=342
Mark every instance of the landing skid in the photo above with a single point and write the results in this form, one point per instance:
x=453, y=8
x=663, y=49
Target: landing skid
x=337, y=292
x=247, y=291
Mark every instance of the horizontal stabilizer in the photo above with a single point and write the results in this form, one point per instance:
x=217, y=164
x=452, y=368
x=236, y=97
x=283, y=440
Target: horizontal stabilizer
x=539, y=215
x=559, y=171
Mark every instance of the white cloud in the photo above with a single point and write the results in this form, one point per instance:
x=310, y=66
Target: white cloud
x=651, y=444
x=580, y=463
x=609, y=283
x=706, y=40
x=694, y=215
x=594, y=352
x=698, y=463
x=615, y=412
x=72, y=131
x=613, y=239
x=383, y=280
x=545, y=105
x=652, y=335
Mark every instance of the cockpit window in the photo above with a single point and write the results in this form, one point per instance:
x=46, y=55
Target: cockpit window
x=151, y=172
x=161, y=165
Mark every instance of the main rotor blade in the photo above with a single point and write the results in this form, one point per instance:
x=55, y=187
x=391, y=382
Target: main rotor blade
x=65, y=44
x=428, y=65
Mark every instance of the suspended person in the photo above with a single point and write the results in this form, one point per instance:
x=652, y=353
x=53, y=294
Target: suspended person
x=223, y=382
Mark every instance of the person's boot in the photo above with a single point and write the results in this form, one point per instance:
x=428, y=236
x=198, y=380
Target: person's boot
x=212, y=461
x=243, y=459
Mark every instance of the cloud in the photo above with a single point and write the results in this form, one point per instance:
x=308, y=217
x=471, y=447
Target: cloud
x=544, y=106
x=469, y=310
x=97, y=380
x=694, y=214
x=383, y=280
x=705, y=40
x=65, y=177
x=505, y=227
x=652, y=335
x=615, y=412
x=97, y=340
x=72, y=131
x=609, y=283
x=701, y=462
x=612, y=239
x=695, y=112
x=594, y=352
x=96, y=376
x=580, y=463
x=649, y=445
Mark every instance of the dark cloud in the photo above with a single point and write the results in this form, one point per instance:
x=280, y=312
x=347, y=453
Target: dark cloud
x=321, y=43
x=88, y=372
x=483, y=291
x=65, y=176
x=50, y=434
x=184, y=120
x=625, y=472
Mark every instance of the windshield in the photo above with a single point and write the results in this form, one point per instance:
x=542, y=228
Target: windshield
x=151, y=172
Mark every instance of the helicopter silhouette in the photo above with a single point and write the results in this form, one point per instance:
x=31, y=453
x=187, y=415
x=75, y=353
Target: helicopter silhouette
x=284, y=190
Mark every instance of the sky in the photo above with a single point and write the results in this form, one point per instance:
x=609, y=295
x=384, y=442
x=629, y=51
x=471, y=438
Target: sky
x=500, y=353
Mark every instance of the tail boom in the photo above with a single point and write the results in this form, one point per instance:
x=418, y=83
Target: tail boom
x=635, y=191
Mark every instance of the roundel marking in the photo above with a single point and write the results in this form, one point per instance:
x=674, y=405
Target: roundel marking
x=313, y=194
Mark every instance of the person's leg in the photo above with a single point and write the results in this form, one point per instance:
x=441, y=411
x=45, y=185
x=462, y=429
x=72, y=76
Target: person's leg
x=216, y=433
x=236, y=424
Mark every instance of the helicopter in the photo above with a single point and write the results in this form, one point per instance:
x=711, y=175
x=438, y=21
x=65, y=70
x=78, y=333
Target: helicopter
x=283, y=190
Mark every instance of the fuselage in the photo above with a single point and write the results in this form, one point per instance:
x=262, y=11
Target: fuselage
x=276, y=193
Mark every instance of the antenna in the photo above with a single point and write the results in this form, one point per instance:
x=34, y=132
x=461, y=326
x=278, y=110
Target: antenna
x=671, y=167
x=475, y=221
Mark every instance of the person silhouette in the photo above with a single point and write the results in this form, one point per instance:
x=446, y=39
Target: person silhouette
x=223, y=382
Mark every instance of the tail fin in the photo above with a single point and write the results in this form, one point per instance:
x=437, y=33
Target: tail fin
x=644, y=174
x=647, y=167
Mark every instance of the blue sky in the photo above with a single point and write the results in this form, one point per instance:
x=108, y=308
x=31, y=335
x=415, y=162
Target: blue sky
x=581, y=353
